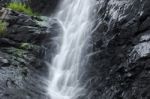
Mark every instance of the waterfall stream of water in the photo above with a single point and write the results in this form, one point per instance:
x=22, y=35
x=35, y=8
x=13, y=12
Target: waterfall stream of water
x=64, y=79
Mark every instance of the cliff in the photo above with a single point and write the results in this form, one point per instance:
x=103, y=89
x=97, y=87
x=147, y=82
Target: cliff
x=119, y=51
x=23, y=46
x=119, y=65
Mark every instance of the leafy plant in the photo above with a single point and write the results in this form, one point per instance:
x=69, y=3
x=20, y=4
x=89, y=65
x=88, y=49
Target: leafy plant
x=3, y=28
x=20, y=7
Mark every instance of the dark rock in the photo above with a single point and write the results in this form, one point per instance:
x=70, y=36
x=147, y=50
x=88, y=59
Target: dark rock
x=45, y=7
x=5, y=42
x=23, y=66
x=119, y=63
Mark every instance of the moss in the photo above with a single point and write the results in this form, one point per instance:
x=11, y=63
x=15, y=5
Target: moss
x=16, y=57
x=20, y=7
x=25, y=46
x=3, y=28
x=15, y=52
x=18, y=52
x=28, y=46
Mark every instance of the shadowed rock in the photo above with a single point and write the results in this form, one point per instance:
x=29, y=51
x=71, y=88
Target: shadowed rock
x=119, y=66
x=23, y=68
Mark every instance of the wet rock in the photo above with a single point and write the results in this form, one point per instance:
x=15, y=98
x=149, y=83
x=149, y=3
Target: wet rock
x=3, y=62
x=46, y=7
x=23, y=66
x=120, y=57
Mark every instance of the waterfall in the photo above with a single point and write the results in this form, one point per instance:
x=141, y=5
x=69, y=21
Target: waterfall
x=65, y=69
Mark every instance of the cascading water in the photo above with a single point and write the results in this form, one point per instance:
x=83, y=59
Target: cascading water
x=74, y=15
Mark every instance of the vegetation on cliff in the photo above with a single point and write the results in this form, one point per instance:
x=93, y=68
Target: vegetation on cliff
x=20, y=7
x=3, y=28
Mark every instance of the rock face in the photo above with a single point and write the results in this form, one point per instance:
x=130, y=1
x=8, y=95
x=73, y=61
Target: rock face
x=23, y=66
x=46, y=7
x=3, y=2
x=119, y=66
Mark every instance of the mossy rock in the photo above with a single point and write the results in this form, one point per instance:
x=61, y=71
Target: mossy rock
x=15, y=51
x=28, y=46
x=21, y=7
x=3, y=28
x=25, y=46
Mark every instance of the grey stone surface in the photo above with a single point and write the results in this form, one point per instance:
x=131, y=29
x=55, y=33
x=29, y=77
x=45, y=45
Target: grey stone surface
x=23, y=68
x=119, y=66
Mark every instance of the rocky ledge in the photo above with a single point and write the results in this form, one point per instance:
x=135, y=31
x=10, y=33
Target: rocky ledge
x=23, y=65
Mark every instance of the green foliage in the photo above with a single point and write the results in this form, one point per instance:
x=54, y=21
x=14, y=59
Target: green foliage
x=20, y=7
x=3, y=28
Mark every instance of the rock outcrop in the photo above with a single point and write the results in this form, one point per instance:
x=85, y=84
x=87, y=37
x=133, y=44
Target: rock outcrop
x=119, y=66
x=23, y=66
x=43, y=7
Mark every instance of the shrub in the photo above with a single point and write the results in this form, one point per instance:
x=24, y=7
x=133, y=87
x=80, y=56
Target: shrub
x=3, y=27
x=20, y=7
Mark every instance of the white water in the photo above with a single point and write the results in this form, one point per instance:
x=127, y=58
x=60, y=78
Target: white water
x=65, y=73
